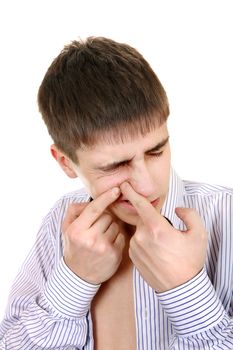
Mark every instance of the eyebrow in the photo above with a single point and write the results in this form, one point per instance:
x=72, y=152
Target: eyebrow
x=116, y=164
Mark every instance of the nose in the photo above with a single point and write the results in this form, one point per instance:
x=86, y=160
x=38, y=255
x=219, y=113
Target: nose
x=142, y=180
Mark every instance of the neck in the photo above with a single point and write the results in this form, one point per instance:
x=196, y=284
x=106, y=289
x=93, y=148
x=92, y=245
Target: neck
x=127, y=231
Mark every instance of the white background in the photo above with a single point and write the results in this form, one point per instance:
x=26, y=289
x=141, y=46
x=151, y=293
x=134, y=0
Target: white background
x=189, y=45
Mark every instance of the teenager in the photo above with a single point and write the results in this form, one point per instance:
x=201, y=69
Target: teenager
x=138, y=259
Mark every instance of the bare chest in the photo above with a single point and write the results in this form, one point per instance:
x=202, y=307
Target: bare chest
x=113, y=315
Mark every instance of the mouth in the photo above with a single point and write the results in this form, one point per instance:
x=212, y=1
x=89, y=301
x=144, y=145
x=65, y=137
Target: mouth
x=127, y=205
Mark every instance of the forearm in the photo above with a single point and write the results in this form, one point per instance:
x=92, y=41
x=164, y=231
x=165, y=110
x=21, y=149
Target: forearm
x=54, y=319
x=218, y=337
x=197, y=315
x=37, y=329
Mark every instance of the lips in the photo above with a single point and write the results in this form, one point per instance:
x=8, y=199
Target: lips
x=154, y=202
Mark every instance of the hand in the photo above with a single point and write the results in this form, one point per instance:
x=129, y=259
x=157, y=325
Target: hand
x=93, y=244
x=165, y=257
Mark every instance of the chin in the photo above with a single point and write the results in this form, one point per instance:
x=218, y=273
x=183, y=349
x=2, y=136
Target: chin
x=126, y=218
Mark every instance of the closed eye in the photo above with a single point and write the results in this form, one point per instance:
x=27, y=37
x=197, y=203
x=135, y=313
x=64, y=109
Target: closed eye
x=156, y=154
x=116, y=166
x=155, y=151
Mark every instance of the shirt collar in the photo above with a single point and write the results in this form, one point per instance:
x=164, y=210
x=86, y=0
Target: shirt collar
x=174, y=199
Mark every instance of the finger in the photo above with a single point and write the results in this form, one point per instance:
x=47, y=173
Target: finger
x=112, y=232
x=190, y=218
x=145, y=209
x=120, y=242
x=73, y=211
x=102, y=224
x=96, y=208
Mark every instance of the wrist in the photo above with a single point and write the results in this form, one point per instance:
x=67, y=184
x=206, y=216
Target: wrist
x=193, y=306
x=67, y=294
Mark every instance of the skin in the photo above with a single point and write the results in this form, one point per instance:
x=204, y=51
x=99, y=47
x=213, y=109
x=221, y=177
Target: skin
x=165, y=257
x=106, y=166
x=93, y=242
x=100, y=233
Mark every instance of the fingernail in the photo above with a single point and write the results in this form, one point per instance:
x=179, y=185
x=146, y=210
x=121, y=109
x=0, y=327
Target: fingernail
x=124, y=185
x=116, y=191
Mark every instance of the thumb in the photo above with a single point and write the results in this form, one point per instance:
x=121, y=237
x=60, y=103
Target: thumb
x=189, y=216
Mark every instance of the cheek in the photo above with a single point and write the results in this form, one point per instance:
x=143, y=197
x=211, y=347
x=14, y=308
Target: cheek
x=161, y=173
x=106, y=183
x=165, y=173
x=165, y=164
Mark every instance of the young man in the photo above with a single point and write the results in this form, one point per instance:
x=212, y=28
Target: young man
x=139, y=259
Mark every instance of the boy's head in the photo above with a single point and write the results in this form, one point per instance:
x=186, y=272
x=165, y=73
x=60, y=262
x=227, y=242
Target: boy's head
x=100, y=89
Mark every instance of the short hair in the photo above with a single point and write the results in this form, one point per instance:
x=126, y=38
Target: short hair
x=100, y=90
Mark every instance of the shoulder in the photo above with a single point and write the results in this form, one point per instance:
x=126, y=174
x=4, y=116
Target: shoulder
x=203, y=189
x=56, y=214
x=78, y=196
x=62, y=203
x=214, y=201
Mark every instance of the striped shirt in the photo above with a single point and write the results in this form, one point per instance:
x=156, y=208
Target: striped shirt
x=49, y=306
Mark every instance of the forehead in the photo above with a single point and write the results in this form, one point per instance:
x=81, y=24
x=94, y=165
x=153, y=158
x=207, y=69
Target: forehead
x=112, y=150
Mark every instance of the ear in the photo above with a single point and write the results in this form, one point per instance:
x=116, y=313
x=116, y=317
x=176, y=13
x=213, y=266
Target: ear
x=65, y=163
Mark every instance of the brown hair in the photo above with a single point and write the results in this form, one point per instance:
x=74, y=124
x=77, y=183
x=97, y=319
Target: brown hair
x=99, y=89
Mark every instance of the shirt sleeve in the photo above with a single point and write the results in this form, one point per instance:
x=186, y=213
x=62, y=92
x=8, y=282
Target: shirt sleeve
x=197, y=316
x=48, y=304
